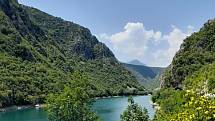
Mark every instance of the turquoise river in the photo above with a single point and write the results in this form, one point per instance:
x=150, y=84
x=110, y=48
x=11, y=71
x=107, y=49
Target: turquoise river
x=109, y=109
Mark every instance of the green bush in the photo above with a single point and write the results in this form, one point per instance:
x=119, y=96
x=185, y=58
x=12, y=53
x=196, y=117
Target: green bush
x=134, y=112
x=197, y=108
x=72, y=104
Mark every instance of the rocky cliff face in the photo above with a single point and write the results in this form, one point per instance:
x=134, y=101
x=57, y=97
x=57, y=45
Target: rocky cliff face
x=75, y=39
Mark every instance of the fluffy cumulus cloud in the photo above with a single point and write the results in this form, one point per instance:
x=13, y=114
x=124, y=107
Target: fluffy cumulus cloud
x=163, y=57
x=149, y=46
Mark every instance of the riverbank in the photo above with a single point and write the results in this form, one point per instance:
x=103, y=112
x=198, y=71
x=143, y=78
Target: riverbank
x=14, y=107
x=104, y=97
x=21, y=107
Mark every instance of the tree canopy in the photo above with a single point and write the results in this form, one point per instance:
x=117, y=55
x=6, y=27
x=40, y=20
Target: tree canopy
x=134, y=112
x=73, y=103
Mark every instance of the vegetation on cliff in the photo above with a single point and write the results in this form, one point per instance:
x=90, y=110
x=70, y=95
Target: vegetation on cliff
x=39, y=54
x=188, y=89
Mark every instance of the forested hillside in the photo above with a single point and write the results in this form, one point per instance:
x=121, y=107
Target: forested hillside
x=197, y=55
x=188, y=84
x=39, y=53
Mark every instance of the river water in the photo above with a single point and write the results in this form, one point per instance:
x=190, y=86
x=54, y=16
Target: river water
x=108, y=109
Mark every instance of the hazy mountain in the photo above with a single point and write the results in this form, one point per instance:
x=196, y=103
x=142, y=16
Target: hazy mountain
x=148, y=76
x=135, y=62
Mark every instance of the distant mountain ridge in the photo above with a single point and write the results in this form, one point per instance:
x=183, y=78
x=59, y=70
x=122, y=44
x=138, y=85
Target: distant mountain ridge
x=148, y=76
x=135, y=62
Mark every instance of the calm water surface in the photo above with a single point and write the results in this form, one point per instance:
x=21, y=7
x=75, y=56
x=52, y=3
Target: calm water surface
x=108, y=109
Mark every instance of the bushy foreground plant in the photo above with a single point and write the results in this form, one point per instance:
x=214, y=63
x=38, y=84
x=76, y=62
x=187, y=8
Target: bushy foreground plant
x=72, y=104
x=134, y=112
x=197, y=108
x=194, y=107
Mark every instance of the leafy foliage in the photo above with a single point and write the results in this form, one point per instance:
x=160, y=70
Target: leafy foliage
x=194, y=108
x=202, y=81
x=169, y=100
x=72, y=104
x=134, y=112
x=27, y=83
x=197, y=108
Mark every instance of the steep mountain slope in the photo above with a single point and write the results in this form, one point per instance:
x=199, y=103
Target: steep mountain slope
x=39, y=53
x=147, y=76
x=196, y=54
x=188, y=84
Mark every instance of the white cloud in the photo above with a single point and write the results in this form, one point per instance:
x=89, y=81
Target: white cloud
x=175, y=39
x=132, y=42
x=135, y=42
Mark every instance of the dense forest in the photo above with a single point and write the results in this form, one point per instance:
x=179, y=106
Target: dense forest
x=39, y=54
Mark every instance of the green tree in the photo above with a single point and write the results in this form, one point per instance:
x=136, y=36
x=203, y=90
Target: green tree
x=134, y=112
x=73, y=104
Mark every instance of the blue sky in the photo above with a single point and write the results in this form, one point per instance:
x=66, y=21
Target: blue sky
x=148, y=30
